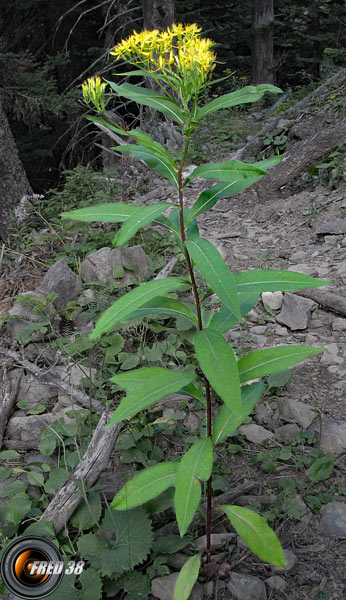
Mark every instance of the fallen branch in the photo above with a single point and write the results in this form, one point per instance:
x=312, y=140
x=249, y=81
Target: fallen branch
x=7, y=401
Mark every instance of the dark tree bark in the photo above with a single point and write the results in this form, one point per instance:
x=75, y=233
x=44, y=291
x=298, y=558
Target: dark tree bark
x=158, y=14
x=13, y=180
x=262, y=43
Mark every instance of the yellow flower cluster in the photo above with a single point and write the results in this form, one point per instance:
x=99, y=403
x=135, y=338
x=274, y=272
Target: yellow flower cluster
x=174, y=51
x=94, y=93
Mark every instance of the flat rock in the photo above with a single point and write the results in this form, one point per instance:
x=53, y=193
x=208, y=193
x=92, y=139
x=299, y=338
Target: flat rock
x=297, y=412
x=333, y=522
x=27, y=430
x=332, y=434
x=339, y=324
x=99, y=265
x=247, y=587
x=61, y=280
x=22, y=314
x=331, y=355
x=34, y=393
x=256, y=433
x=217, y=541
x=303, y=268
x=336, y=227
x=272, y=299
x=276, y=583
x=291, y=561
x=296, y=311
x=286, y=432
x=341, y=270
x=163, y=588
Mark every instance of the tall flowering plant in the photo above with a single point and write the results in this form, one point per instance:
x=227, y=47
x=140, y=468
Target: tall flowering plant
x=181, y=62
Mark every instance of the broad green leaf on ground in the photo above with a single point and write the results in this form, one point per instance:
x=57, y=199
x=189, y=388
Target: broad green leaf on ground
x=105, y=213
x=226, y=421
x=161, y=383
x=91, y=587
x=141, y=218
x=269, y=360
x=170, y=544
x=124, y=306
x=164, y=306
x=153, y=158
x=187, y=578
x=256, y=533
x=219, y=364
x=88, y=512
x=146, y=484
x=321, y=468
x=224, y=319
x=216, y=272
x=136, y=584
x=247, y=94
x=150, y=98
x=196, y=464
x=229, y=172
x=41, y=528
x=268, y=280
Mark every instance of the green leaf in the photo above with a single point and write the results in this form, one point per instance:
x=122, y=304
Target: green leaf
x=136, y=584
x=219, y=364
x=279, y=379
x=256, y=533
x=91, y=590
x=9, y=454
x=267, y=361
x=157, y=383
x=165, y=306
x=196, y=464
x=321, y=468
x=216, y=272
x=35, y=478
x=18, y=508
x=170, y=544
x=105, y=213
x=150, y=98
x=141, y=218
x=229, y=172
x=225, y=319
x=192, y=391
x=56, y=480
x=48, y=442
x=249, y=93
x=152, y=158
x=12, y=488
x=226, y=421
x=146, y=485
x=268, y=280
x=118, y=272
x=124, y=306
x=187, y=578
x=133, y=537
x=87, y=514
x=41, y=528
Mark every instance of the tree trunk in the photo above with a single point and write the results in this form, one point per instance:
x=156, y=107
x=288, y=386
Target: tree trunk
x=13, y=180
x=158, y=14
x=262, y=44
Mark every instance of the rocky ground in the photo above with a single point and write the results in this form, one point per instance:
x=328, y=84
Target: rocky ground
x=304, y=232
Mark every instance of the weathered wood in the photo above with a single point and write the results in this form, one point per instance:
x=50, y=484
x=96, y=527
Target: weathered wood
x=327, y=300
x=92, y=464
x=9, y=391
x=158, y=14
x=262, y=57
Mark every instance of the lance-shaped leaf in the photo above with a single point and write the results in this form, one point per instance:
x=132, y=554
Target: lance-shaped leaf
x=192, y=391
x=196, y=464
x=158, y=383
x=219, y=365
x=230, y=171
x=124, y=306
x=187, y=578
x=224, y=319
x=270, y=360
x=209, y=197
x=146, y=485
x=269, y=280
x=146, y=140
x=153, y=158
x=106, y=213
x=164, y=306
x=256, y=533
x=141, y=218
x=226, y=421
x=216, y=272
x=150, y=98
x=249, y=93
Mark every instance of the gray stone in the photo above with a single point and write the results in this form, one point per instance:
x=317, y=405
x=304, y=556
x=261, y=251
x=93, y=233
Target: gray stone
x=258, y=329
x=256, y=433
x=192, y=421
x=247, y=587
x=332, y=434
x=280, y=330
x=330, y=355
x=34, y=393
x=163, y=588
x=217, y=541
x=272, y=299
x=63, y=281
x=276, y=583
x=22, y=314
x=176, y=561
x=297, y=412
x=341, y=270
x=264, y=414
x=333, y=522
x=286, y=432
x=99, y=265
x=290, y=560
x=296, y=311
x=336, y=227
x=339, y=324
x=303, y=268
x=27, y=430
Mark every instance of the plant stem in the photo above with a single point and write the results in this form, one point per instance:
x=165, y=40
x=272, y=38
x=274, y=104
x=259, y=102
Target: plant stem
x=200, y=327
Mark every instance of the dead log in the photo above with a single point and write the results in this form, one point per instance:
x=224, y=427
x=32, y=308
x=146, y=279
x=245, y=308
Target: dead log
x=94, y=461
x=7, y=401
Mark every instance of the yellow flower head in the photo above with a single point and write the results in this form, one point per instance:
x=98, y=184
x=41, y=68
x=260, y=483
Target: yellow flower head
x=94, y=93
